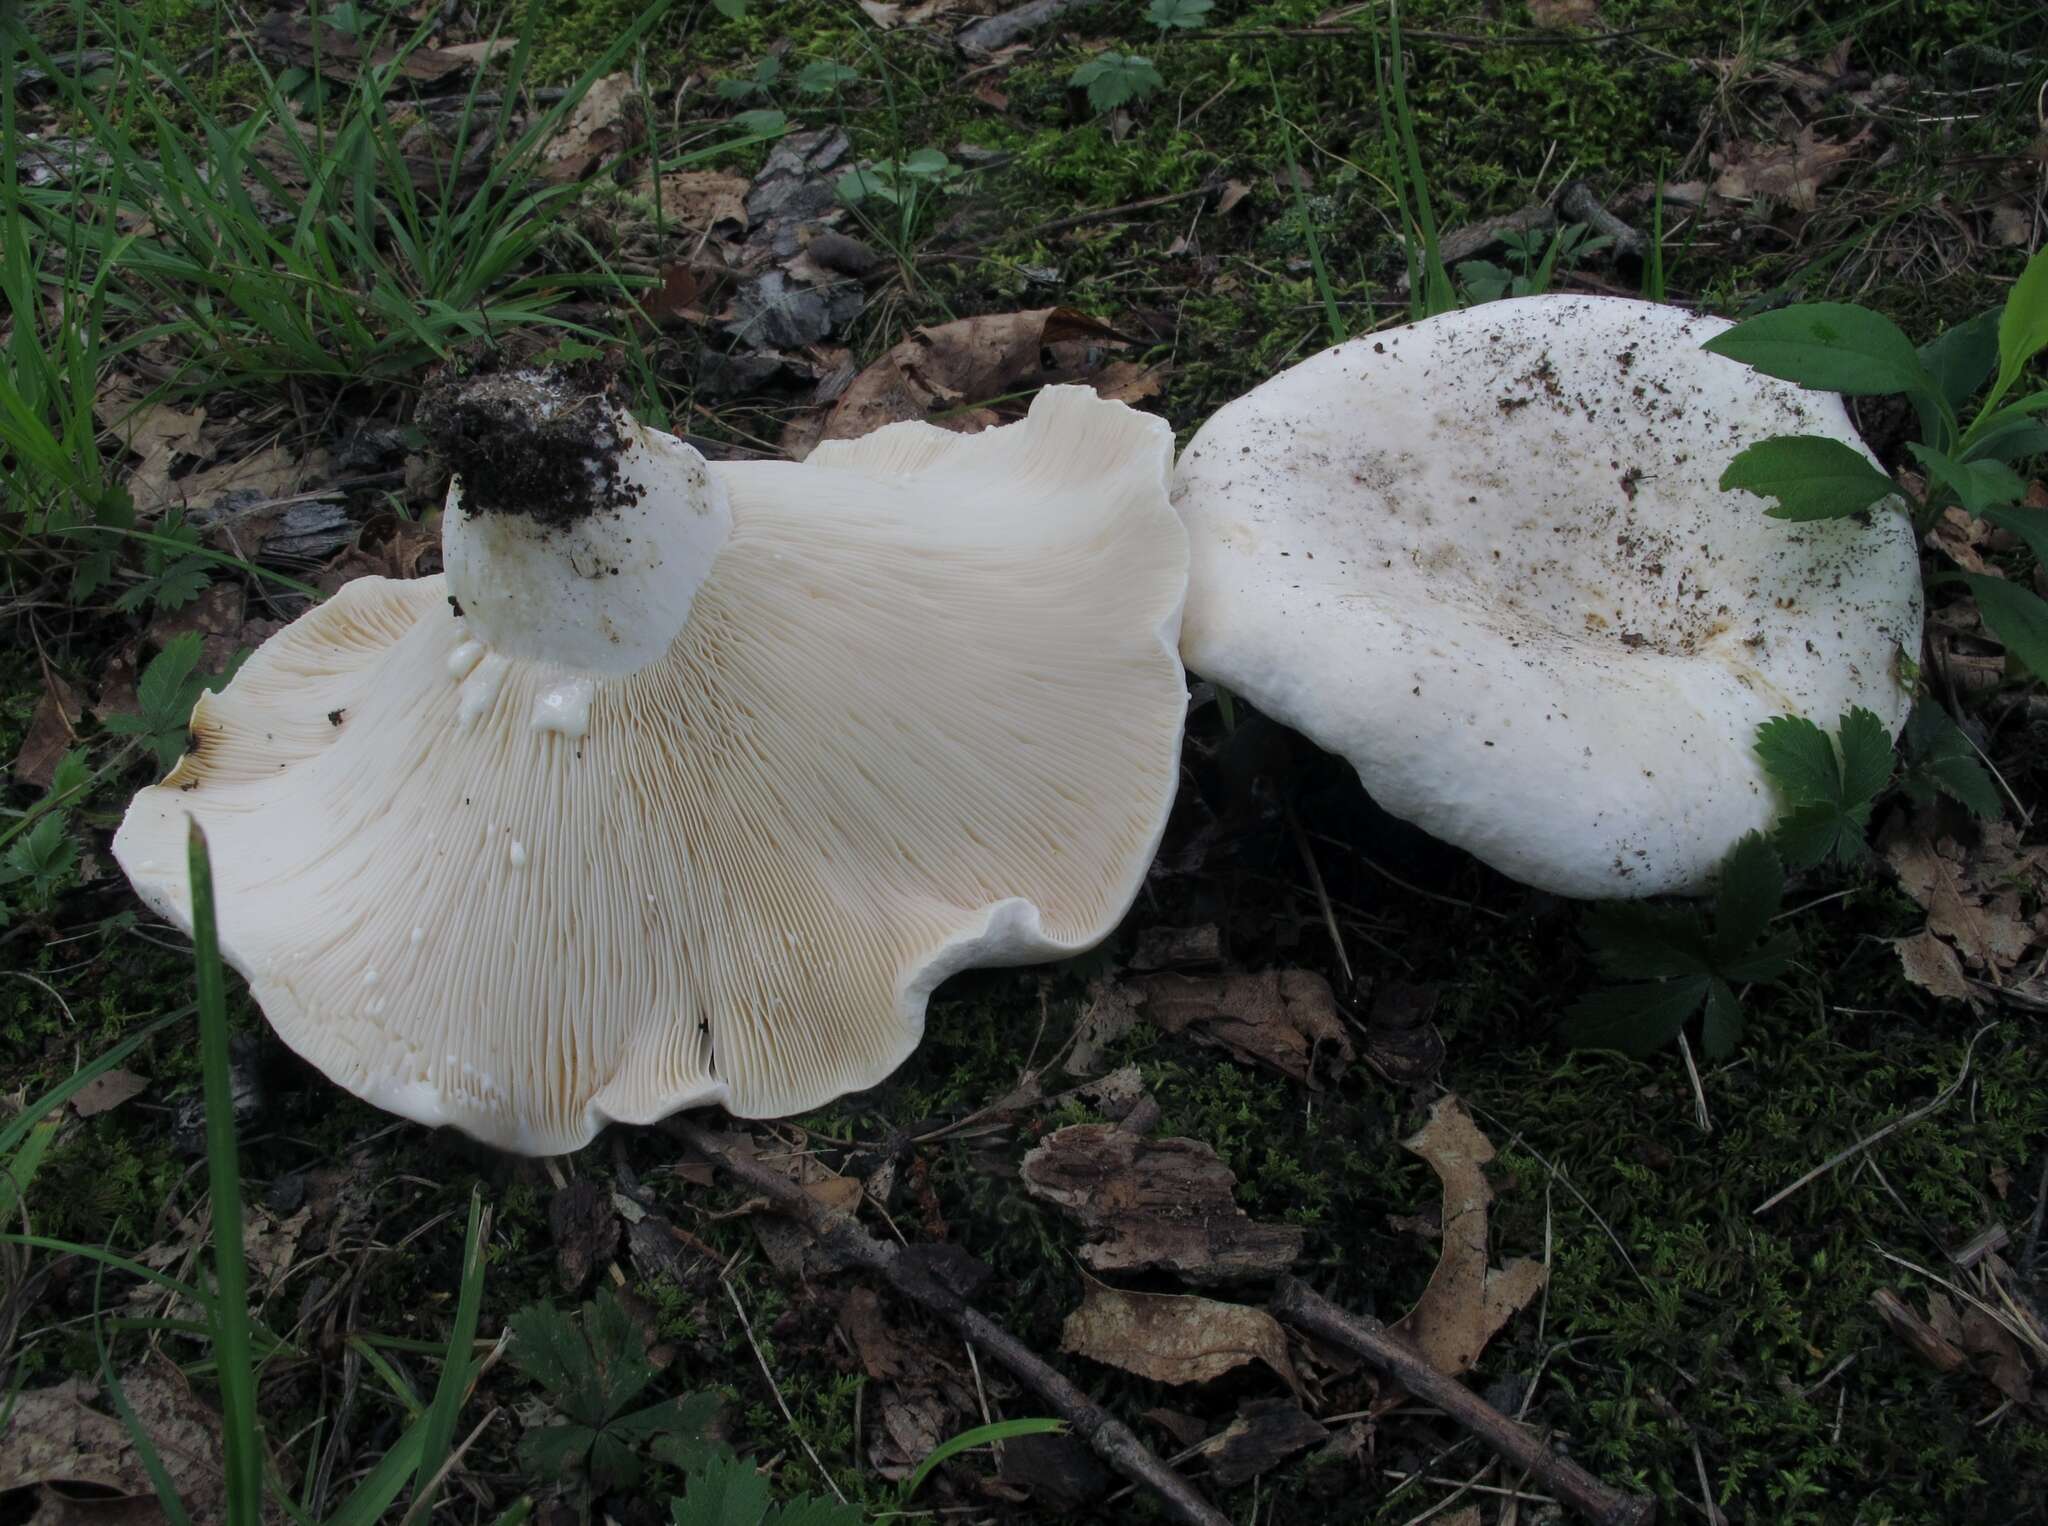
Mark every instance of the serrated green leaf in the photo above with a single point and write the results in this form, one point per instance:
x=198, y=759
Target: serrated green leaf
x=1637, y=1020
x=1634, y=941
x=1829, y=346
x=1939, y=758
x=1866, y=747
x=732, y=10
x=1186, y=14
x=1113, y=79
x=1810, y=477
x=2023, y=327
x=1721, y=1027
x=1980, y=485
x=1750, y=891
x=162, y=690
x=2016, y=616
x=556, y=1452
x=70, y=776
x=1961, y=359
x=1807, y=834
x=763, y=122
x=1799, y=758
x=822, y=76
x=1767, y=961
x=726, y=1491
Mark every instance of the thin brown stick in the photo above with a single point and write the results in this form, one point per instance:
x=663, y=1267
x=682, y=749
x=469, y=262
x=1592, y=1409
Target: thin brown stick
x=1302, y=1307
x=841, y=1236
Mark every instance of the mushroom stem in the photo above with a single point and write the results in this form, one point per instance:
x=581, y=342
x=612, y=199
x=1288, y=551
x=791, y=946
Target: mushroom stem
x=573, y=536
x=1387, y=1353
x=910, y=1276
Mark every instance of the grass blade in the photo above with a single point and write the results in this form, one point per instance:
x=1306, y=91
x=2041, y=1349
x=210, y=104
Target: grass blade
x=224, y=1179
x=459, y=1370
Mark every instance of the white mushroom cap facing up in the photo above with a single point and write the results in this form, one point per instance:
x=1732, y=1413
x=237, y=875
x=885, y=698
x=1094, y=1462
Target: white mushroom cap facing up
x=1485, y=559
x=704, y=782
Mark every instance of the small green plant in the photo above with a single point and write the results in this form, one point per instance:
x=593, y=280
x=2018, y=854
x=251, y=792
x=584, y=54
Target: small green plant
x=1828, y=785
x=1538, y=253
x=174, y=567
x=1839, y=347
x=763, y=79
x=1681, y=965
x=1116, y=79
x=166, y=692
x=729, y=1491
x=910, y=186
x=1182, y=15
x=1940, y=761
x=594, y=1369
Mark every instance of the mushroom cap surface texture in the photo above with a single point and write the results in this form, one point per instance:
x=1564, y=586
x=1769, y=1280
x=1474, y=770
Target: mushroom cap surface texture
x=924, y=714
x=1486, y=559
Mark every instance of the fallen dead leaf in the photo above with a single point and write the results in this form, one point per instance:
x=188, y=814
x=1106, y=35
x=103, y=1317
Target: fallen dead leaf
x=1565, y=15
x=949, y=368
x=107, y=1091
x=1932, y=965
x=270, y=473
x=156, y=432
x=1174, y=1338
x=1466, y=1301
x=585, y=1228
x=341, y=56
x=51, y=733
x=1265, y=1434
x=1156, y=1205
x=1287, y=1019
x=271, y=1245
x=1789, y=172
x=1972, y=893
x=1126, y=381
x=58, y=1442
x=598, y=130
x=1234, y=191
x=1161, y=948
x=698, y=200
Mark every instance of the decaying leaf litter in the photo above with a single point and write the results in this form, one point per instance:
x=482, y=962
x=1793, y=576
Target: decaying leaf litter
x=779, y=337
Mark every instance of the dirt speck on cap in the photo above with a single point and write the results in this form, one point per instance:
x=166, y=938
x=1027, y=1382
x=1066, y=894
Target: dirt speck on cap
x=541, y=442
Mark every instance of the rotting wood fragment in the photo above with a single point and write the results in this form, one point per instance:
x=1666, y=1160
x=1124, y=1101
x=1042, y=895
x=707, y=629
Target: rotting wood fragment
x=1156, y=1205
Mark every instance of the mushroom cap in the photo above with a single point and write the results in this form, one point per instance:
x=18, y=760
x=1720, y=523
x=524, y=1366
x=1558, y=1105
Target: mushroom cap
x=924, y=714
x=1486, y=559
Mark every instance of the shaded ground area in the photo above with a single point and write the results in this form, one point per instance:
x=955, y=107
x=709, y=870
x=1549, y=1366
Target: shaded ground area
x=1001, y=229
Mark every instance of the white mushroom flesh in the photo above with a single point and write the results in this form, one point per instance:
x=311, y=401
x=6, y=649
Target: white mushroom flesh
x=923, y=714
x=1486, y=559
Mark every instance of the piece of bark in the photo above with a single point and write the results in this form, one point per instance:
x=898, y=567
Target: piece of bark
x=1265, y=1434
x=1156, y=1205
x=999, y=31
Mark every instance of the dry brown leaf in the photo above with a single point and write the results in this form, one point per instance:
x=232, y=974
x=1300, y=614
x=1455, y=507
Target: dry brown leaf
x=1126, y=381
x=1287, y=1019
x=477, y=54
x=1234, y=191
x=1932, y=965
x=271, y=1245
x=1959, y=537
x=584, y=1224
x=1565, y=15
x=1156, y=1205
x=1789, y=172
x=50, y=734
x=2011, y=226
x=270, y=473
x=1265, y=1433
x=1174, y=1338
x=1466, y=1301
x=699, y=200
x=947, y=368
x=1971, y=894
x=107, y=1091
x=1162, y=948
x=159, y=434
x=340, y=56
x=598, y=130
x=55, y=1439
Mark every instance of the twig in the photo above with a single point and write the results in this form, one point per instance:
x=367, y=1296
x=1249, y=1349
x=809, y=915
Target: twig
x=1886, y=1132
x=1315, y=878
x=1577, y=203
x=841, y=1236
x=1301, y=1306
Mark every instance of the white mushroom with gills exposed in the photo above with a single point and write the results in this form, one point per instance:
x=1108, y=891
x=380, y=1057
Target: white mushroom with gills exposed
x=1486, y=559
x=688, y=783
